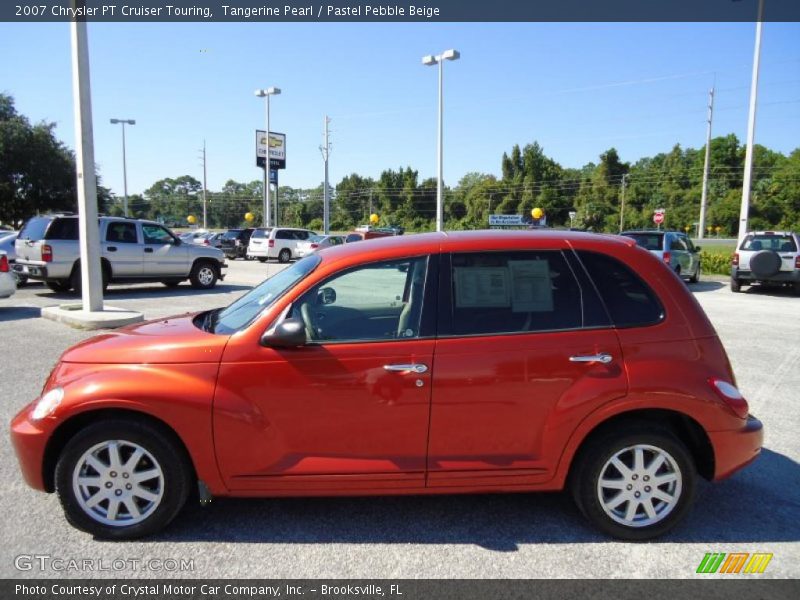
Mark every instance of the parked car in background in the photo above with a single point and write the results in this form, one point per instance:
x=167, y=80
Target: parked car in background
x=8, y=283
x=673, y=248
x=277, y=242
x=234, y=242
x=212, y=238
x=366, y=232
x=131, y=251
x=471, y=361
x=767, y=258
x=318, y=242
x=7, y=239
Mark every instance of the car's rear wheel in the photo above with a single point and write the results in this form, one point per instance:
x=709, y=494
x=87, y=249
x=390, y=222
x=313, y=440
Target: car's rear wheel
x=634, y=486
x=262, y=259
x=204, y=275
x=75, y=278
x=736, y=285
x=284, y=255
x=58, y=285
x=120, y=479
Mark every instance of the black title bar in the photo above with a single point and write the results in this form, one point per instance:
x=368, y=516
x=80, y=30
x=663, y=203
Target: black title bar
x=150, y=11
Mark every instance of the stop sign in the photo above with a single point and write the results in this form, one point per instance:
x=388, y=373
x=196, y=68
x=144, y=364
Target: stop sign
x=658, y=218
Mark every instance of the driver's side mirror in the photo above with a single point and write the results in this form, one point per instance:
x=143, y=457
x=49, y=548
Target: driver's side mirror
x=697, y=249
x=290, y=333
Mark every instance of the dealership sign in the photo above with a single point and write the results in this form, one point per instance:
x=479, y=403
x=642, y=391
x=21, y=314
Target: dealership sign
x=277, y=149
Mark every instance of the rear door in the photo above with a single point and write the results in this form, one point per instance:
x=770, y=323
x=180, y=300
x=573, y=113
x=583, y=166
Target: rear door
x=523, y=352
x=123, y=248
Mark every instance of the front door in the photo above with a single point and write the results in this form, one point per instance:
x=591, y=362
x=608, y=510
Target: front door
x=164, y=254
x=347, y=411
x=525, y=351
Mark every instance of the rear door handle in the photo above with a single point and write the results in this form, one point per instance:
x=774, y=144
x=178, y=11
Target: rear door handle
x=148, y=250
x=111, y=248
x=406, y=368
x=601, y=358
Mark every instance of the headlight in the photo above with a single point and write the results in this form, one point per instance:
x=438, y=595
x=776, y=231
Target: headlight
x=47, y=403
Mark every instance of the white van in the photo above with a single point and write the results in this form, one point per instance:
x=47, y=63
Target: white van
x=276, y=242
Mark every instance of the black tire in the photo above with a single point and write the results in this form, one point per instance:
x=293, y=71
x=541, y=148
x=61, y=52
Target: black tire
x=262, y=259
x=284, y=256
x=58, y=285
x=75, y=278
x=204, y=275
x=171, y=283
x=765, y=264
x=168, y=455
x=736, y=285
x=592, y=460
x=21, y=280
x=696, y=277
x=796, y=288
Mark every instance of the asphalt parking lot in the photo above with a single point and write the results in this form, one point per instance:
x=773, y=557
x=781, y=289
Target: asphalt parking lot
x=511, y=536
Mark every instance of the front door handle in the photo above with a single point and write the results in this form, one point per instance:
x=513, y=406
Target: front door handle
x=148, y=250
x=601, y=358
x=111, y=248
x=407, y=368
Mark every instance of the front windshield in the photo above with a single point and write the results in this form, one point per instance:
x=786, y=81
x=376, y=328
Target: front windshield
x=242, y=312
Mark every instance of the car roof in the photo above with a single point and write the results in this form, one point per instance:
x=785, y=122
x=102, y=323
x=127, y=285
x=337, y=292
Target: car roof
x=465, y=241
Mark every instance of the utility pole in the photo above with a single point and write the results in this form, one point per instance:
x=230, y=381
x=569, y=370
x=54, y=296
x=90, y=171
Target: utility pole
x=326, y=150
x=701, y=226
x=751, y=131
x=205, y=211
x=622, y=203
x=89, y=232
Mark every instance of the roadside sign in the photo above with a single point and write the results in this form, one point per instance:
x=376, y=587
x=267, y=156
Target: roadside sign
x=505, y=220
x=572, y=215
x=277, y=149
x=273, y=177
x=658, y=217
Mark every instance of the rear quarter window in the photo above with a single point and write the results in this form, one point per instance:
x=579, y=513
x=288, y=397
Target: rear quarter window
x=63, y=229
x=629, y=300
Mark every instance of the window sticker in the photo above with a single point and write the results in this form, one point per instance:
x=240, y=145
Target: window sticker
x=531, y=288
x=482, y=287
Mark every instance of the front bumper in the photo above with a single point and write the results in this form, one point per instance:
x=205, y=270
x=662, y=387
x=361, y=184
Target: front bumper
x=29, y=439
x=779, y=277
x=736, y=449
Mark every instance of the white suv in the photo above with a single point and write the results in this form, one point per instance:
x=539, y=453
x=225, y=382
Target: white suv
x=277, y=242
x=767, y=257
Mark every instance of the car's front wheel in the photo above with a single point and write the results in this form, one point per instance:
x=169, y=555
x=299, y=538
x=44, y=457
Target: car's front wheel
x=204, y=275
x=634, y=486
x=119, y=479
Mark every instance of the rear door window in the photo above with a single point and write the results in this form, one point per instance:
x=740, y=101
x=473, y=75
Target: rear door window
x=513, y=292
x=628, y=299
x=122, y=233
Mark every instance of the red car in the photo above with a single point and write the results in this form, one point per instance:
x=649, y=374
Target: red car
x=427, y=364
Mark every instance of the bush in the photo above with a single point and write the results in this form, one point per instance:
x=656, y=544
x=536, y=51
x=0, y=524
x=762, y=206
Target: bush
x=315, y=224
x=715, y=262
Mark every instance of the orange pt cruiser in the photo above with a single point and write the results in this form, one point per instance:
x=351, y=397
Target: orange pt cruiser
x=425, y=364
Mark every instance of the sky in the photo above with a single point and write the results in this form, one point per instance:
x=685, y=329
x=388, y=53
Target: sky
x=576, y=88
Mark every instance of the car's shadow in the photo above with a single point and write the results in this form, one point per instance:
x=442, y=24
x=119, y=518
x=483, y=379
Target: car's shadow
x=765, y=290
x=705, y=286
x=143, y=292
x=760, y=504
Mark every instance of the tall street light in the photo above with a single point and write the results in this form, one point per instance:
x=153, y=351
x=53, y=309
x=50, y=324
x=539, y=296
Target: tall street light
x=266, y=93
x=744, y=209
x=124, y=122
x=429, y=61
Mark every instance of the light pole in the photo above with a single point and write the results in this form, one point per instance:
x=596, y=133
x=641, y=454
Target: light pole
x=266, y=93
x=744, y=210
x=429, y=61
x=124, y=122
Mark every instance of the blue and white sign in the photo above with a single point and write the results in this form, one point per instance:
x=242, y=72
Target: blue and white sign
x=506, y=221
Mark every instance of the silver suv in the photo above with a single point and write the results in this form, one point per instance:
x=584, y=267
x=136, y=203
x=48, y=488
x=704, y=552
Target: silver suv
x=132, y=251
x=673, y=247
x=767, y=257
